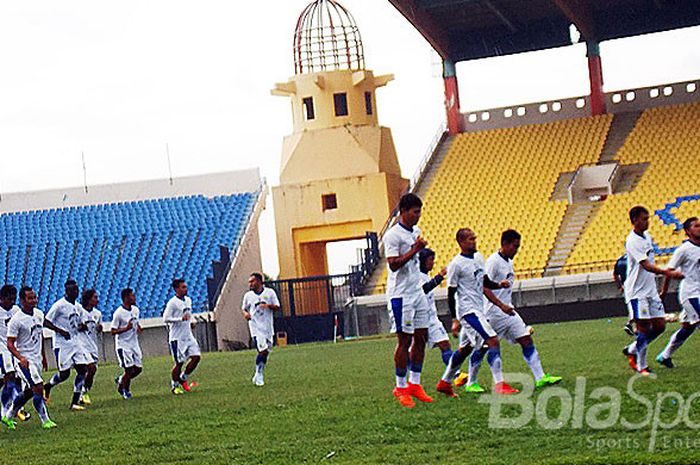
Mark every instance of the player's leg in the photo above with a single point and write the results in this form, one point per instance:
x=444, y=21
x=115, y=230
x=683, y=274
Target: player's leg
x=437, y=337
x=690, y=317
x=445, y=351
x=260, y=363
x=54, y=381
x=416, y=357
x=402, y=325
x=175, y=387
x=466, y=343
x=193, y=353
x=87, y=385
x=472, y=375
x=80, y=374
x=64, y=362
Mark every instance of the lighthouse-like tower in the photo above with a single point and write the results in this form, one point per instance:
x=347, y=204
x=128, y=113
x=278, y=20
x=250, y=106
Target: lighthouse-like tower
x=340, y=176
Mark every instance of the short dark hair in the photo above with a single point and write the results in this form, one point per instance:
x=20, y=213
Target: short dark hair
x=509, y=236
x=258, y=276
x=126, y=292
x=462, y=233
x=689, y=222
x=409, y=201
x=423, y=257
x=86, y=296
x=636, y=212
x=70, y=282
x=23, y=292
x=177, y=282
x=7, y=291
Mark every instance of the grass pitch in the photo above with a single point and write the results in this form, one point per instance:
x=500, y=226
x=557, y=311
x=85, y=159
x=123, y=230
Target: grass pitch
x=326, y=403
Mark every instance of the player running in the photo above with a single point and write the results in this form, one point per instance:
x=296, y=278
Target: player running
x=65, y=320
x=437, y=335
x=408, y=305
x=125, y=329
x=24, y=341
x=91, y=318
x=259, y=305
x=619, y=276
x=641, y=294
x=508, y=325
x=183, y=345
x=10, y=387
x=466, y=281
x=686, y=259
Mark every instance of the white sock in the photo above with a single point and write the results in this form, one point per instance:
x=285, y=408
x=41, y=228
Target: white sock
x=401, y=382
x=532, y=358
x=493, y=356
x=414, y=377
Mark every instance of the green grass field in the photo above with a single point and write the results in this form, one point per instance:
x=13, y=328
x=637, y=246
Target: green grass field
x=326, y=403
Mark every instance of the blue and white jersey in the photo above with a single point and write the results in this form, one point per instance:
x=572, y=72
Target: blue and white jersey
x=640, y=284
x=406, y=281
x=88, y=338
x=28, y=331
x=261, y=323
x=466, y=273
x=128, y=340
x=65, y=315
x=499, y=268
x=175, y=310
x=686, y=258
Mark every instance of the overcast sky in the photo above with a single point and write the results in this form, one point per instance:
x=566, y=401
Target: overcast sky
x=119, y=80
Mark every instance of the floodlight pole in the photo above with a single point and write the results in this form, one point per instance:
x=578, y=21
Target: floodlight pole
x=595, y=76
x=454, y=115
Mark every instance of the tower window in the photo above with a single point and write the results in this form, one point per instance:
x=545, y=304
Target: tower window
x=329, y=202
x=308, y=103
x=368, y=102
x=341, y=104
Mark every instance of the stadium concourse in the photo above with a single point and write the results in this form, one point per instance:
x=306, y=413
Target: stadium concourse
x=142, y=235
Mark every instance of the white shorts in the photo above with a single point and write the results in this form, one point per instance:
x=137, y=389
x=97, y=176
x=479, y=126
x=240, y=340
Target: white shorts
x=475, y=330
x=691, y=311
x=262, y=343
x=182, y=350
x=409, y=313
x=129, y=357
x=646, y=308
x=31, y=375
x=67, y=357
x=436, y=332
x=7, y=362
x=508, y=327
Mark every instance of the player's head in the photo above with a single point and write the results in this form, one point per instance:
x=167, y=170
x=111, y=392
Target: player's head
x=89, y=299
x=255, y=282
x=466, y=238
x=426, y=258
x=510, y=242
x=639, y=217
x=180, y=287
x=410, y=207
x=691, y=226
x=8, y=296
x=72, y=291
x=27, y=298
x=128, y=297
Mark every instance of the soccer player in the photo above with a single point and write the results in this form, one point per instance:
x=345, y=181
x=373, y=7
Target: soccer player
x=508, y=325
x=10, y=388
x=183, y=346
x=259, y=305
x=92, y=319
x=619, y=276
x=65, y=320
x=408, y=305
x=24, y=341
x=466, y=281
x=686, y=258
x=641, y=294
x=125, y=329
x=437, y=335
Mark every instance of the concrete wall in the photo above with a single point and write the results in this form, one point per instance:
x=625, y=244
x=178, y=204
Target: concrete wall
x=209, y=185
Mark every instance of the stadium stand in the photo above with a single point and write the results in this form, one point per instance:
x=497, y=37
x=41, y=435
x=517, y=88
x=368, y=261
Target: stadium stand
x=493, y=180
x=141, y=244
x=668, y=138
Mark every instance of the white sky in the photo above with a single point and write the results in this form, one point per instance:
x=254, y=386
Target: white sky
x=119, y=80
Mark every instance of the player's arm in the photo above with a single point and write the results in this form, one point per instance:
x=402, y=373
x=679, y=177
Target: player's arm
x=115, y=329
x=397, y=261
x=452, y=305
x=498, y=302
x=667, y=272
x=48, y=324
x=15, y=353
x=169, y=315
x=488, y=284
x=435, y=282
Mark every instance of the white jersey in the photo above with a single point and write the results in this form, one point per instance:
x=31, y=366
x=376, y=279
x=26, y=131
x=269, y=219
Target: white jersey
x=466, y=273
x=406, y=281
x=686, y=258
x=29, y=333
x=5, y=316
x=88, y=338
x=261, y=322
x=424, y=279
x=66, y=316
x=639, y=283
x=499, y=268
x=128, y=340
x=178, y=329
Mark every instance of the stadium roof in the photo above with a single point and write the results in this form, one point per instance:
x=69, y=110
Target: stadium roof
x=469, y=29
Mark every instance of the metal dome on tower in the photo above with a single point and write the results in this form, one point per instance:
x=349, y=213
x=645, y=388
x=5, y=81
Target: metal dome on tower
x=327, y=38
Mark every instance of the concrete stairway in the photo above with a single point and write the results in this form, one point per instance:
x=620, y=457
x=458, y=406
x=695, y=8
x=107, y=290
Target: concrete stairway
x=621, y=127
x=576, y=219
x=436, y=159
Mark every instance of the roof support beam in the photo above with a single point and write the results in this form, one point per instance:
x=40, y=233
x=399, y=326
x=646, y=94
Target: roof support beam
x=578, y=12
x=426, y=25
x=500, y=16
